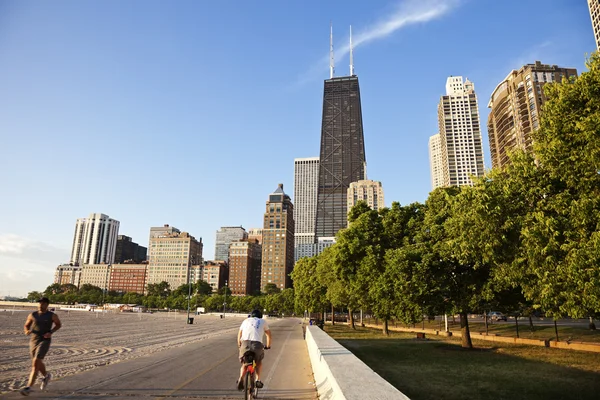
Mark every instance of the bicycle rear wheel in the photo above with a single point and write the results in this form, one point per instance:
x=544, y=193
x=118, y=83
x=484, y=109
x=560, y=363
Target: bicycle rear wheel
x=248, y=386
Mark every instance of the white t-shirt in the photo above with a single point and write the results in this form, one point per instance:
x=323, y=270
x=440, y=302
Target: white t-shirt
x=254, y=329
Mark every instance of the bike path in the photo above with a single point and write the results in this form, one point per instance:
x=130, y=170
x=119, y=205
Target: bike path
x=207, y=369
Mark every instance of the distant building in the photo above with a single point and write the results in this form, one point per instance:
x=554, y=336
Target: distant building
x=435, y=161
x=255, y=233
x=306, y=182
x=278, y=240
x=215, y=273
x=244, y=267
x=225, y=236
x=171, y=255
x=96, y=275
x=371, y=192
x=128, y=278
x=128, y=251
x=516, y=107
x=594, y=6
x=95, y=240
x=460, y=134
x=67, y=274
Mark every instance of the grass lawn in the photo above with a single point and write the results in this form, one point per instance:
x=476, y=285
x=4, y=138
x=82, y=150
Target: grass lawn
x=438, y=368
x=541, y=332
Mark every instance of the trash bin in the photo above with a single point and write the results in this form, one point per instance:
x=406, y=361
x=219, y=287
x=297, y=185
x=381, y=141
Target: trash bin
x=190, y=321
x=321, y=323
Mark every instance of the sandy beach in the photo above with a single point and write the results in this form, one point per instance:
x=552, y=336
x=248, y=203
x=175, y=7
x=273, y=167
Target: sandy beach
x=88, y=340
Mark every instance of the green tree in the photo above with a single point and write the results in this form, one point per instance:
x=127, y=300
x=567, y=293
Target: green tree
x=34, y=296
x=309, y=292
x=162, y=289
x=271, y=288
x=55, y=288
x=203, y=287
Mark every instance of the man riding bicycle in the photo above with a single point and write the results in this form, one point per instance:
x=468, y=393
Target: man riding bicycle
x=250, y=339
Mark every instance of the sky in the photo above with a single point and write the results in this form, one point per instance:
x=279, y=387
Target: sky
x=190, y=113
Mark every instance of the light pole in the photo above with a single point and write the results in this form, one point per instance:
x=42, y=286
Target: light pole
x=225, y=301
x=104, y=289
x=189, y=288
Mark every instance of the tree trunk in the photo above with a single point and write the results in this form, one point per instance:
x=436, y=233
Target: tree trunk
x=592, y=326
x=351, y=316
x=332, y=315
x=517, y=323
x=486, y=324
x=556, y=330
x=464, y=329
x=386, y=331
x=531, y=323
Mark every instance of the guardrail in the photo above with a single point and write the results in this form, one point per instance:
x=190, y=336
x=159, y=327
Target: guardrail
x=340, y=375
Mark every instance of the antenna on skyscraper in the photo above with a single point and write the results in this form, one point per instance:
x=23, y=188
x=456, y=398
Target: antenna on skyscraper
x=331, y=63
x=351, y=55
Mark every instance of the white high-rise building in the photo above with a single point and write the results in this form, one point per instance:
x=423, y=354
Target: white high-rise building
x=460, y=134
x=225, y=236
x=368, y=191
x=306, y=181
x=435, y=161
x=594, y=6
x=95, y=240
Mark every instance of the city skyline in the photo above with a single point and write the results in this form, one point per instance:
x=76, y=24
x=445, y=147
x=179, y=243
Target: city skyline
x=157, y=97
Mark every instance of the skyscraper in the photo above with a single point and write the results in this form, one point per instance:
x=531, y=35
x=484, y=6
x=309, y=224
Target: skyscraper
x=278, y=240
x=95, y=240
x=594, y=6
x=460, y=135
x=435, y=161
x=342, y=155
x=368, y=191
x=225, y=236
x=244, y=267
x=516, y=106
x=306, y=180
x=128, y=251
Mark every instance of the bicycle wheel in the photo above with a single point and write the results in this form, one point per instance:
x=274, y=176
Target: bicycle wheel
x=248, y=386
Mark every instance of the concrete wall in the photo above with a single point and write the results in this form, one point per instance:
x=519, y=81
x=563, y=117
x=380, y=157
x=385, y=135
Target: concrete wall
x=339, y=374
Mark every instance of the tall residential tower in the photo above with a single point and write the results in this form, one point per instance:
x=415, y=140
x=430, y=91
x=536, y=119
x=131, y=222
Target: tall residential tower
x=516, y=105
x=594, y=6
x=306, y=180
x=95, y=240
x=460, y=135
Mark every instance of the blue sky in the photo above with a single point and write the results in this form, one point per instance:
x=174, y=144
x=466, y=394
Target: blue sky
x=191, y=112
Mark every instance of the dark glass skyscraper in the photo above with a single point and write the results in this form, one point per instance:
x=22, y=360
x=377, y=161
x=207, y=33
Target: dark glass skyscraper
x=342, y=153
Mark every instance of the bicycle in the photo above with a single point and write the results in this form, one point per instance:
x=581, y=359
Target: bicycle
x=249, y=376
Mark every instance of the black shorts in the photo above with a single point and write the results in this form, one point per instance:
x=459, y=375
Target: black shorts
x=38, y=347
x=256, y=347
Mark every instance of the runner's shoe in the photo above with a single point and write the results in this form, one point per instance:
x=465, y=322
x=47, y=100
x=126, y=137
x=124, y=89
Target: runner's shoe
x=46, y=381
x=25, y=391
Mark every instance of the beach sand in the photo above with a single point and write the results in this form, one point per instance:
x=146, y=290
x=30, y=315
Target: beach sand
x=89, y=339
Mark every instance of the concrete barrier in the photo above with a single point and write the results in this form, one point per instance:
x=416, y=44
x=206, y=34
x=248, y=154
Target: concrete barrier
x=340, y=375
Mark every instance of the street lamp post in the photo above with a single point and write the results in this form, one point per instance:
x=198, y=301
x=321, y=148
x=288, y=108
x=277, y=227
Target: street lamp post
x=189, y=295
x=105, y=288
x=225, y=301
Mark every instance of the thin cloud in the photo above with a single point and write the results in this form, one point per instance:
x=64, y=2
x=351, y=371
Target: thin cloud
x=407, y=12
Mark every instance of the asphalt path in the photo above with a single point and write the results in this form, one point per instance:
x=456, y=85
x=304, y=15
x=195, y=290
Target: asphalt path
x=203, y=370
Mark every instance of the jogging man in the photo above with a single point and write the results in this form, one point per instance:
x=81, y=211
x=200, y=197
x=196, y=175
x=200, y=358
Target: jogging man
x=250, y=338
x=39, y=327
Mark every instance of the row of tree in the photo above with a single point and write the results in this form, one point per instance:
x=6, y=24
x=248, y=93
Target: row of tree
x=525, y=237
x=160, y=296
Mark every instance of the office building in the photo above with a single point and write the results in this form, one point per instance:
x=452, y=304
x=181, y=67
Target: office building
x=225, y=236
x=96, y=275
x=67, y=274
x=171, y=255
x=460, y=135
x=516, y=107
x=126, y=278
x=255, y=233
x=128, y=251
x=244, y=267
x=95, y=240
x=342, y=153
x=215, y=273
x=306, y=181
x=371, y=192
x=278, y=240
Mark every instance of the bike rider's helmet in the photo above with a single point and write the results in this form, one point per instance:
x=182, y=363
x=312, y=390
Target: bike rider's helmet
x=256, y=314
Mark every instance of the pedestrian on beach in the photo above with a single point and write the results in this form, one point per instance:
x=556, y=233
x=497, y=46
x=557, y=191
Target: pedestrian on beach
x=39, y=327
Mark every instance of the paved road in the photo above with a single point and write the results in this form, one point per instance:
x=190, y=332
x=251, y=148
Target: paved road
x=201, y=370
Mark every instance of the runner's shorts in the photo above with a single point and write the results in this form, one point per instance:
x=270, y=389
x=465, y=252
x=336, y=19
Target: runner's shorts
x=38, y=347
x=256, y=347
